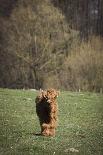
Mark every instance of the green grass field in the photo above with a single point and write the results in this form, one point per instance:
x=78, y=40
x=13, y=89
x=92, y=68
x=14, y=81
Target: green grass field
x=80, y=125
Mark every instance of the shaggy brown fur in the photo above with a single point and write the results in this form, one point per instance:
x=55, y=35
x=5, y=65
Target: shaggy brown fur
x=46, y=109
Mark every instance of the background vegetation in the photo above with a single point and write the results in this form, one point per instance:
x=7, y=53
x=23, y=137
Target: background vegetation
x=51, y=43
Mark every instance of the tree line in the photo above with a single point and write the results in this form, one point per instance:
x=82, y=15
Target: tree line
x=49, y=44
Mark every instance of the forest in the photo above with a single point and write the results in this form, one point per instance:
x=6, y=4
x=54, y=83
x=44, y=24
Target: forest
x=51, y=43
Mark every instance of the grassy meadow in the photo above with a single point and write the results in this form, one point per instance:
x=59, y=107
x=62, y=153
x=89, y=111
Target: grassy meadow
x=79, y=132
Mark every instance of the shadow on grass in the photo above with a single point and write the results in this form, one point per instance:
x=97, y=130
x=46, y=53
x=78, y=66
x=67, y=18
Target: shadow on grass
x=35, y=134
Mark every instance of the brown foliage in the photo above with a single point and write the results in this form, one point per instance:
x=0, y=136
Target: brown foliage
x=83, y=69
x=39, y=50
